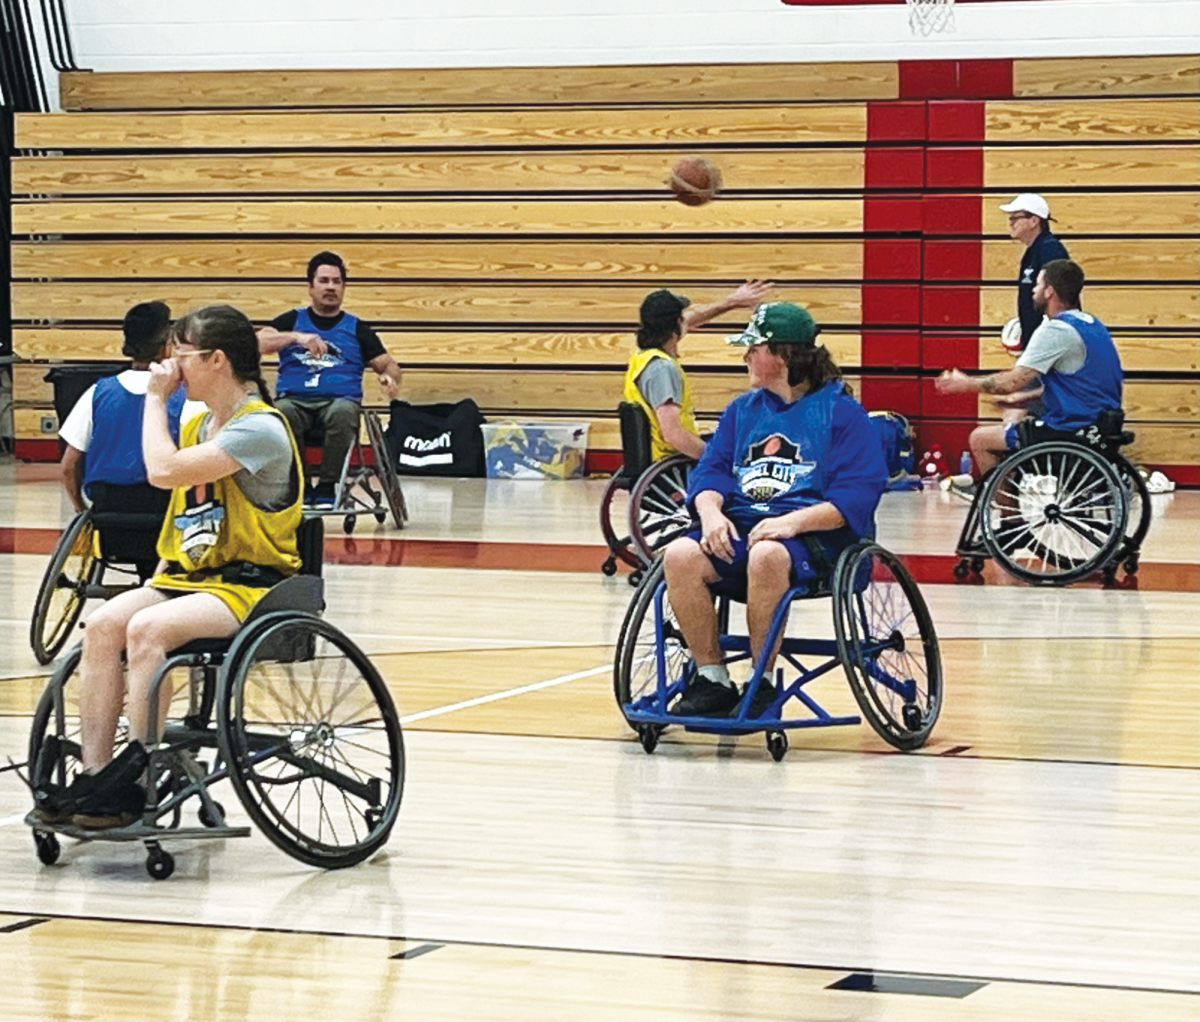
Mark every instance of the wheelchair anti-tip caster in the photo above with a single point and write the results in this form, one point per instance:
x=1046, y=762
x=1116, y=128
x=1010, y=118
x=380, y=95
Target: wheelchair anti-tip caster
x=1131, y=564
x=206, y=818
x=648, y=736
x=609, y=567
x=349, y=523
x=777, y=744
x=48, y=848
x=159, y=864
x=977, y=565
x=911, y=715
x=961, y=570
x=635, y=579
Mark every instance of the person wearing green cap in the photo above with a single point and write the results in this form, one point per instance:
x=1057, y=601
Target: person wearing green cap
x=790, y=478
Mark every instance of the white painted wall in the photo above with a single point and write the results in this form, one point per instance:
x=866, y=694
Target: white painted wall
x=111, y=35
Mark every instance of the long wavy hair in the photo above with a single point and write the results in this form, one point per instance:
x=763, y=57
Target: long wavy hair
x=810, y=367
x=224, y=328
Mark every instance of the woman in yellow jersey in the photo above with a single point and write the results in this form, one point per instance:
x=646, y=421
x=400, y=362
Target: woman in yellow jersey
x=655, y=378
x=229, y=535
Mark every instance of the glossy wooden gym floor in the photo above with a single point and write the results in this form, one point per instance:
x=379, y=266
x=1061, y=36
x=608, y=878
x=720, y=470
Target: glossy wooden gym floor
x=1037, y=860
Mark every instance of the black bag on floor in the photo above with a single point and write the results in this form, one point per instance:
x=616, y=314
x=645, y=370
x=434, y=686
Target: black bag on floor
x=436, y=440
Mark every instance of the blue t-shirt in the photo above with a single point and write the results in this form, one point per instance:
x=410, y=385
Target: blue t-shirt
x=768, y=457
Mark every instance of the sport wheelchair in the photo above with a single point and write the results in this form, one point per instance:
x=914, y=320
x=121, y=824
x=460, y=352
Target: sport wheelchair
x=117, y=534
x=355, y=494
x=1059, y=507
x=885, y=642
x=294, y=716
x=655, y=511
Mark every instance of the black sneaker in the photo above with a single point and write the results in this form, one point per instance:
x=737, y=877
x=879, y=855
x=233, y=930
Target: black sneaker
x=704, y=698
x=763, y=698
x=114, y=807
x=324, y=495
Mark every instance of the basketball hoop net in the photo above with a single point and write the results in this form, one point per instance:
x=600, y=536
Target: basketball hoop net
x=929, y=16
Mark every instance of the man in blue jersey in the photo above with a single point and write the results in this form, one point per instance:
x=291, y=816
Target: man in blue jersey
x=323, y=351
x=790, y=478
x=1072, y=353
x=102, y=463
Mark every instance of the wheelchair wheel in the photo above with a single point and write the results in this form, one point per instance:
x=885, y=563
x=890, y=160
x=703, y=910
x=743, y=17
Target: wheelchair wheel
x=1054, y=513
x=614, y=507
x=887, y=645
x=636, y=666
x=312, y=739
x=658, y=510
x=1138, y=522
x=389, y=478
x=73, y=567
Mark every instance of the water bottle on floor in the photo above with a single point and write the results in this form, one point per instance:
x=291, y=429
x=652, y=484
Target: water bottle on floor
x=964, y=463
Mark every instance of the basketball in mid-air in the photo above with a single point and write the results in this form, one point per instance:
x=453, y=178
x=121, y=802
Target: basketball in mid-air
x=695, y=181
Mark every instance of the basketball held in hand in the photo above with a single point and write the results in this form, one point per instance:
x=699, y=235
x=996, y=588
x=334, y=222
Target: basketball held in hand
x=695, y=181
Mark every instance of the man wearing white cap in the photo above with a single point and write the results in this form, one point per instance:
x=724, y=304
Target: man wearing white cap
x=1029, y=223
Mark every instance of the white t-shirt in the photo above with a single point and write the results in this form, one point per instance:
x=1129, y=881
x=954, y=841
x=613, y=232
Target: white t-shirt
x=77, y=430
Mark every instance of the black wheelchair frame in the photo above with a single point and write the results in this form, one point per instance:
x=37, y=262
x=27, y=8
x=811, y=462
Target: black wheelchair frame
x=657, y=511
x=289, y=704
x=1059, y=507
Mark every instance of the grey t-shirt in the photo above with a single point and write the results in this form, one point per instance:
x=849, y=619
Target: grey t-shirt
x=660, y=382
x=261, y=444
x=1054, y=345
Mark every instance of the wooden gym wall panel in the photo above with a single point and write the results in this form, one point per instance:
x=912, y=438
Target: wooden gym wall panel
x=651, y=262
x=793, y=169
x=486, y=86
x=1159, y=401
x=1157, y=305
x=1076, y=166
x=1112, y=213
x=395, y=303
x=494, y=128
x=1115, y=259
x=1061, y=77
x=1092, y=120
x=476, y=217
x=463, y=347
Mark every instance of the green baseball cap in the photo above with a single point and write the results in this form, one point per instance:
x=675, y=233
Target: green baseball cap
x=780, y=322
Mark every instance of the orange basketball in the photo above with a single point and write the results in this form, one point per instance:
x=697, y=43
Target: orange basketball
x=695, y=181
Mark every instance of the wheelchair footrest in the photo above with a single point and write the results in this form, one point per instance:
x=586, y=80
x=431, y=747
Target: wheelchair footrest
x=134, y=832
x=734, y=725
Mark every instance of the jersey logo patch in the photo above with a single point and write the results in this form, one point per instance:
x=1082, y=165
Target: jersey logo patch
x=773, y=466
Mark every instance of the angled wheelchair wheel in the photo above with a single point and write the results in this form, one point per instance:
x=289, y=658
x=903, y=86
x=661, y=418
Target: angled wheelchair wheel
x=61, y=596
x=658, y=510
x=645, y=643
x=1138, y=521
x=1054, y=513
x=389, y=478
x=312, y=739
x=887, y=645
x=614, y=509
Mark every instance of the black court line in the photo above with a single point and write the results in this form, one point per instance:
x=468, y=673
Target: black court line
x=24, y=924
x=715, y=960
x=891, y=983
x=416, y=952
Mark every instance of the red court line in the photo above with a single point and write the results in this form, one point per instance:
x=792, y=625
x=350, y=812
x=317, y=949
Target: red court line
x=389, y=551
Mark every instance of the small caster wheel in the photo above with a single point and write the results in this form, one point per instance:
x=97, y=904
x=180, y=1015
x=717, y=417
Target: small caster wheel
x=609, y=567
x=207, y=819
x=1131, y=564
x=977, y=564
x=349, y=523
x=635, y=578
x=1109, y=575
x=648, y=736
x=48, y=848
x=961, y=570
x=777, y=745
x=160, y=864
x=912, y=716
x=381, y=517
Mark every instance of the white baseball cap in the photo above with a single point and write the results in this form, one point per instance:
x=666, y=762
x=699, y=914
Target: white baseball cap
x=1028, y=202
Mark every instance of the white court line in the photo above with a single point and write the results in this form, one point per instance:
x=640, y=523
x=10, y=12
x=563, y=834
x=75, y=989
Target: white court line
x=438, y=711
x=8, y=821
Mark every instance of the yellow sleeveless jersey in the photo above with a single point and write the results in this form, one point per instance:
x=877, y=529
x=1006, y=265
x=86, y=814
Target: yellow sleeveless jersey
x=213, y=525
x=687, y=414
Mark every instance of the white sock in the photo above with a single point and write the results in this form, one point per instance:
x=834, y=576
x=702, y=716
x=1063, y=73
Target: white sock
x=718, y=673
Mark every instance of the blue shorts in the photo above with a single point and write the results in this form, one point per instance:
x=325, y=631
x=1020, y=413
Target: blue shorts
x=735, y=571
x=1010, y=436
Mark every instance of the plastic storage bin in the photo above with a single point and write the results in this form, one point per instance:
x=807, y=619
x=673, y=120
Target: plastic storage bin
x=535, y=450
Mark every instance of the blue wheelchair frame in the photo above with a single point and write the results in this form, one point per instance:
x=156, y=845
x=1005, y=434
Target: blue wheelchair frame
x=858, y=655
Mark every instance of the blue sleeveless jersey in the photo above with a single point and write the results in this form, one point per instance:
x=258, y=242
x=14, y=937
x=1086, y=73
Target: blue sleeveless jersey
x=1076, y=399
x=337, y=373
x=115, y=453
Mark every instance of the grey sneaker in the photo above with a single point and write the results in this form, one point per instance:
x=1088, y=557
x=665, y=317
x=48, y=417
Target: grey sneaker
x=966, y=491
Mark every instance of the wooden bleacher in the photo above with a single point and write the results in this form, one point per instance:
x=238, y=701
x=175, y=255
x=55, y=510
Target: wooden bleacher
x=502, y=225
